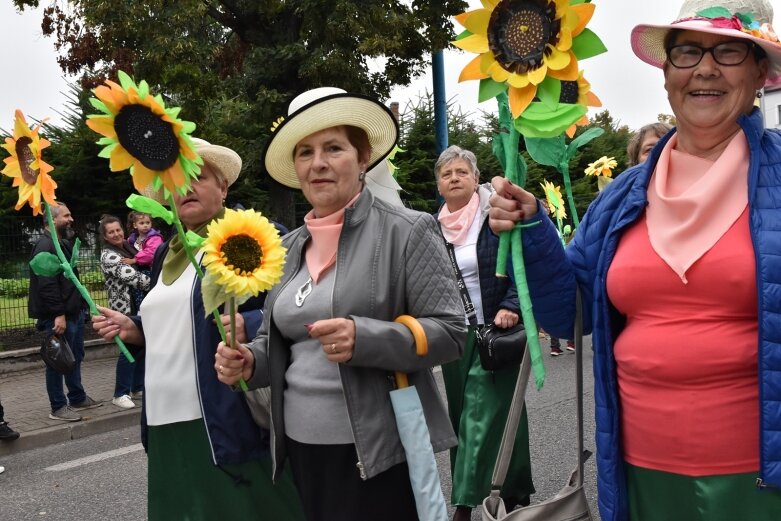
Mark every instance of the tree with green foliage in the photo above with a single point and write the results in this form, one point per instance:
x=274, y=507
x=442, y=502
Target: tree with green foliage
x=233, y=65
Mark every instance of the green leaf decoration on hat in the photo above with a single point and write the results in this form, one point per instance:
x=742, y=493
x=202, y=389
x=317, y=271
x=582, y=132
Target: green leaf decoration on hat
x=715, y=12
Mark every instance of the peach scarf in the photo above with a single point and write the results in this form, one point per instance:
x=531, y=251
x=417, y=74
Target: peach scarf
x=321, y=253
x=455, y=225
x=692, y=202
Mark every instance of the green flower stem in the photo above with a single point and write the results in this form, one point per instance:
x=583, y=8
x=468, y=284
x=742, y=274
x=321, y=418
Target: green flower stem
x=564, y=168
x=232, y=307
x=529, y=323
x=200, y=274
x=68, y=272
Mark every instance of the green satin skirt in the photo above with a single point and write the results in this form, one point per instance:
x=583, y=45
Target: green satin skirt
x=184, y=483
x=478, y=403
x=662, y=496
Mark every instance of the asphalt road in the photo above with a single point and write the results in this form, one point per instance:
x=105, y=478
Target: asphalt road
x=103, y=477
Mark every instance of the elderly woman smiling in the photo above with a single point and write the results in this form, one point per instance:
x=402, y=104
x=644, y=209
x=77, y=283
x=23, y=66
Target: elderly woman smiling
x=329, y=344
x=677, y=261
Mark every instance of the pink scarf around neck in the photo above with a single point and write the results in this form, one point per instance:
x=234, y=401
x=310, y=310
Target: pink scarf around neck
x=455, y=225
x=321, y=253
x=692, y=202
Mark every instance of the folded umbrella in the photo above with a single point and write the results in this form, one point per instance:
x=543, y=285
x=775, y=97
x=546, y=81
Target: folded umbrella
x=413, y=431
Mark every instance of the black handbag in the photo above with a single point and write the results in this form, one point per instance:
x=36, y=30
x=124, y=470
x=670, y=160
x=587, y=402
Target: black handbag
x=57, y=354
x=500, y=348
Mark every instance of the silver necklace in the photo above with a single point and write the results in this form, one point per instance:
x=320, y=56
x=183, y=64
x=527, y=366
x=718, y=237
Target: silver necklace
x=303, y=292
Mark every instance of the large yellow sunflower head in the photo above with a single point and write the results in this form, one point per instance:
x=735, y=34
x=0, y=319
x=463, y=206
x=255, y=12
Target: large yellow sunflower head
x=141, y=134
x=243, y=255
x=555, y=200
x=26, y=166
x=522, y=43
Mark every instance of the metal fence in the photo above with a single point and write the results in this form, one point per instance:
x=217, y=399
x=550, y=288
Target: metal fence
x=18, y=235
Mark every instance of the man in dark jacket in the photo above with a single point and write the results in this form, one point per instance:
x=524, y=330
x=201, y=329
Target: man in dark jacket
x=59, y=308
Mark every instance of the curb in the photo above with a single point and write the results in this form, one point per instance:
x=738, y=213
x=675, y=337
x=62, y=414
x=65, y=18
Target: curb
x=72, y=431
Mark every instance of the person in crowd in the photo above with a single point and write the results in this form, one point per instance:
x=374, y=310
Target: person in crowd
x=478, y=400
x=328, y=344
x=123, y=283
x=207, y=459
x=59, y=309
x=6, y=432
x=143, y=238
x=644, y=140
x=679, y=284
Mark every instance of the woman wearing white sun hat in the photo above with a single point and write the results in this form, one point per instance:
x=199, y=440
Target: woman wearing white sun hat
x=678, y=264
x=329, y=343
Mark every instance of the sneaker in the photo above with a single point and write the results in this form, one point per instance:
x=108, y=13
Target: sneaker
x=123, y=402
x=7, y=433
x=570, y=346
x=137, y=395
x=556, y=351
x=65, y=414
x=2, y=469
x=88, y=403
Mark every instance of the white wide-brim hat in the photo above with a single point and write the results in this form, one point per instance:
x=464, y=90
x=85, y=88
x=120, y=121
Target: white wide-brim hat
x=648, y=40
x=222, y=160
x=322, y=108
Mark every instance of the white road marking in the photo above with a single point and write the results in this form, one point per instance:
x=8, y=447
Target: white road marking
x=97, y=457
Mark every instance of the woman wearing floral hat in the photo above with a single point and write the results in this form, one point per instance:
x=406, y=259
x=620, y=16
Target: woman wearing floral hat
x=329, y=344
x=678, y=265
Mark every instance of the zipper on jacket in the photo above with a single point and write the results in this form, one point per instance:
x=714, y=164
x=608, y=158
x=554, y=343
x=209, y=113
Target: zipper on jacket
x=267, y=316
x=358, y=450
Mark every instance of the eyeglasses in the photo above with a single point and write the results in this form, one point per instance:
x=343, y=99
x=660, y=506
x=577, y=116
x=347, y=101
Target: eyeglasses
x=727, y=53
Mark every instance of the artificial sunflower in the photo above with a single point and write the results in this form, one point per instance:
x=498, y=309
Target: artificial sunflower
x=141, y=134
x=555, y=200
x=602, y=167
x=26, y=166
x=243, y=256
x=521, y=43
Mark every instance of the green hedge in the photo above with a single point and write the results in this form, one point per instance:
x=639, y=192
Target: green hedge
x=19, y=288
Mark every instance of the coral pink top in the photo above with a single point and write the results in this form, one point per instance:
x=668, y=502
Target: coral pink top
x=687, y=358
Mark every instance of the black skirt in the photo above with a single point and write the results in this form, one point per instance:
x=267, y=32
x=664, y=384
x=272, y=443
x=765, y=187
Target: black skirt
x=331, y=487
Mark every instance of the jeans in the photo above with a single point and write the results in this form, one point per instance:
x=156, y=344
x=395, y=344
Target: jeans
x=74, y=335
x=130, y=377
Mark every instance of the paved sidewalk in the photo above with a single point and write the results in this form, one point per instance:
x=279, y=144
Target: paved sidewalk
x=26, y=405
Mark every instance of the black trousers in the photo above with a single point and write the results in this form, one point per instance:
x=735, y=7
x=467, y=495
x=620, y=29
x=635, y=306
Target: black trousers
x=331, y=487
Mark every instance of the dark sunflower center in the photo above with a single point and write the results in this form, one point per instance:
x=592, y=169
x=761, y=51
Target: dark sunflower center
x=26, y=158
x=147, y=137
x=519, y=31
x=242, y=252
x=569, y=92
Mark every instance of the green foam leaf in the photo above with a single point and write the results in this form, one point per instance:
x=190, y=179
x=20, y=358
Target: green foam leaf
x=149, y=206
x=490, y=89
x=587, y=44
x=546, y=151
x=46, y=264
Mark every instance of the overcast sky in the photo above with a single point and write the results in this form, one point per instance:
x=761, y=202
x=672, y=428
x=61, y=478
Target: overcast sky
x=632, y=90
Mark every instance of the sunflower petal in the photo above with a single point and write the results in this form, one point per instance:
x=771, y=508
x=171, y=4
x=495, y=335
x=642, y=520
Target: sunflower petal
x=477, y=43
x=584, y=11
x=557, y=60
x=477, y=21
x=520, y=99
x=472, y=70
x=120, y=159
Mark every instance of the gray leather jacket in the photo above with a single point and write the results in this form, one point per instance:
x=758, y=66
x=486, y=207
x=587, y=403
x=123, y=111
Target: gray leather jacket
x=390, y=261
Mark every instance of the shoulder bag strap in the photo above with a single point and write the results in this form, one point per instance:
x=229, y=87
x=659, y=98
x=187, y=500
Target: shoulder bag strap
x=514, y=415
x=469, y=308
